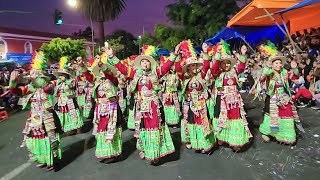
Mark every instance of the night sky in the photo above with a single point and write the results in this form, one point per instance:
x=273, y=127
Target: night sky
x=138, y=13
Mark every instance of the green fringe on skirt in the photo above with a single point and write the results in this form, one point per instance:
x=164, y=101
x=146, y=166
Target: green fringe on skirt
x=171, y=115
x=286, y=133
x=210, y=106
x=234, y=134
x=106, y=149
x=131, y=121
x=41, y=150
x=124, y=106
x=81, y=100
x=185, y=138
x=198, y=140
x=68, y=123
x=87, y=110
x=154, y=147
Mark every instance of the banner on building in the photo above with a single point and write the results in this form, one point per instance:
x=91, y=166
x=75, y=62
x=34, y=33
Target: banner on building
x=20, y=59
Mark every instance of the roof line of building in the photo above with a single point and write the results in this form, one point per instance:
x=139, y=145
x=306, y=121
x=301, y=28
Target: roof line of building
x=28, y=37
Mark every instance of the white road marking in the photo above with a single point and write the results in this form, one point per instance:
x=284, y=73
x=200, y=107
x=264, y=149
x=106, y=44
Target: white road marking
x=16, y=171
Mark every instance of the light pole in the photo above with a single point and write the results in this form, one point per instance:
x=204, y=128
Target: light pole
x=74, y=3
x=139, y=38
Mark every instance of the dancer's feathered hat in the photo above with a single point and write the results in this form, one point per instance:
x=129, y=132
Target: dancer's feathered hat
x=271, y=51
x=149, y=53
x=39, y=64
x=225, y=52
x=188, y=55
x=64, y=67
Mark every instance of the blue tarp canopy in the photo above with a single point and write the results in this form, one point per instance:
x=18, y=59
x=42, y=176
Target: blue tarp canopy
x=163, y=52
x=300, y=5
x=251, y=34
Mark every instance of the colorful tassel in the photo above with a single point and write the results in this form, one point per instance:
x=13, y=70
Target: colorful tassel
x=23, y=89
x=127, y=62
x=63, y=63
x=150, y=51
x=38, y=61
x=104, y=58
x=225, y=47
x=269, y=49
x=187, y=50
x=211, y=50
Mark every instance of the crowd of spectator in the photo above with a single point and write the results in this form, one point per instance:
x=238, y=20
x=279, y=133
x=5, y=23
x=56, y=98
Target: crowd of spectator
x=305, y=87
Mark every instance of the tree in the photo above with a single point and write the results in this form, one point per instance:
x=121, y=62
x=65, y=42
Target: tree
x=207, y=17
x=115, y=44
x=85, y=34
x=101, y=11
x=127, y=40
x=147, y=38
x=58, y=48
x=192, y=19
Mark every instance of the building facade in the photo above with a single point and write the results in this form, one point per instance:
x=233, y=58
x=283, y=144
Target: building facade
x=18, y=44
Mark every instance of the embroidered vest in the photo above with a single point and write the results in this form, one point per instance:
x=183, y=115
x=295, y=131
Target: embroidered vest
x=171, y=83
x=105, y=88
x=278, y=79
x=64, y=88
x=220, y=80
x=151, y=76
x=197, y=78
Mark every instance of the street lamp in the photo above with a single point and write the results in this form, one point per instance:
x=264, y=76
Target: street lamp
x=74, y=3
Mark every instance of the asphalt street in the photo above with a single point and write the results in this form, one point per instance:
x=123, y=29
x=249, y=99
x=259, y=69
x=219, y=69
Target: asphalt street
x=261, y=161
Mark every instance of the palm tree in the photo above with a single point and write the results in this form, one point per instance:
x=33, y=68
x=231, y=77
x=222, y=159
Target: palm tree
x=101, y=11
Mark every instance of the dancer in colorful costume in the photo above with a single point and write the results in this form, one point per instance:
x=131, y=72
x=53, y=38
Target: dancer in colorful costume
x=170, y=97
x=88, y=109
x=130, y=95
x=196, y=130
x=42, y=140
x=66, y=106
x=89, y=102
x=153, y=135
x=280, y=113
x=229, y=123
x=122, y=92
x=107, y=113
x=80, y=82
x=209, y=79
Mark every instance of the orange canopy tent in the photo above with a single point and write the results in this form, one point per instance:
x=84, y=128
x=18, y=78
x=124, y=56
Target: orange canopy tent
x=302, y=16
x=247, y=16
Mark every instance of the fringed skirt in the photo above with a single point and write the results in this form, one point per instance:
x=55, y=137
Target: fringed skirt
x=108, y=146
x=41, y=150
x=69, y=116
x=155, y=143
x=229, y=124
x=153, y=137
x=285, y=133
x=193, y=129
